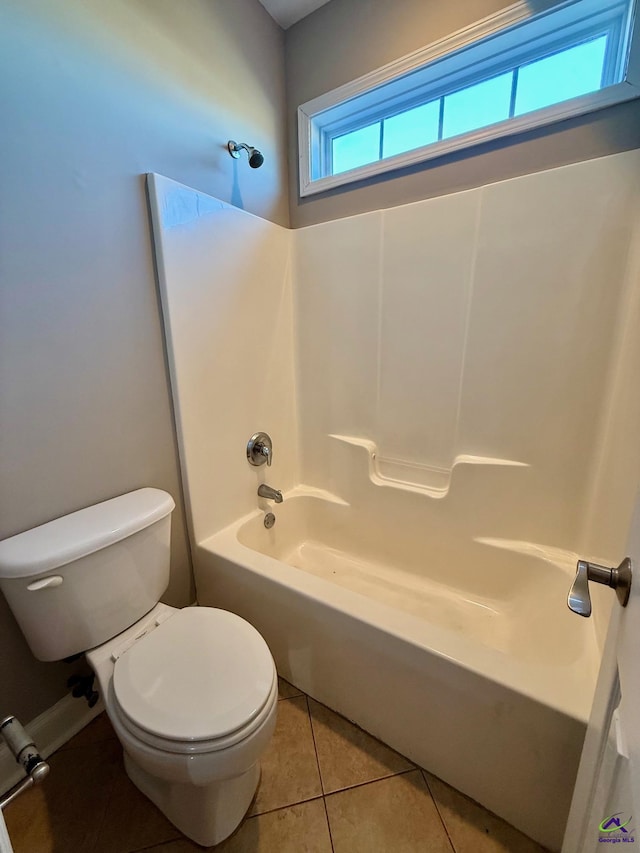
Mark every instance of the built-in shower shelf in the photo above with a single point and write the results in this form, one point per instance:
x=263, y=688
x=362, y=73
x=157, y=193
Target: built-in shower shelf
x=305, y=491
x=415, y=476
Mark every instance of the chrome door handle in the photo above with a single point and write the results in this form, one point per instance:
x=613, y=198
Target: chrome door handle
x=619, y=579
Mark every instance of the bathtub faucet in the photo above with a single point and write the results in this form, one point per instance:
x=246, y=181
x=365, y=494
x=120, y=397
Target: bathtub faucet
x=260, y=449
x=265, y=491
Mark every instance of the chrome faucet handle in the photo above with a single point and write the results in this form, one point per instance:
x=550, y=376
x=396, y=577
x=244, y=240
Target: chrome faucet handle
x=579, y=599
x=260, y=449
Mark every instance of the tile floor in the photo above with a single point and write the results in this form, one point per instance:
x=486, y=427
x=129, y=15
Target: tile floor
x=326, y=787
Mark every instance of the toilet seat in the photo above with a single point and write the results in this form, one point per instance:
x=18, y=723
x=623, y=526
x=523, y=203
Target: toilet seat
x=197, y=747
x=200, y=681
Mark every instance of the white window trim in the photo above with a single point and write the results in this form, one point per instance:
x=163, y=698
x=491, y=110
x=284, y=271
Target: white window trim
x=519, y=12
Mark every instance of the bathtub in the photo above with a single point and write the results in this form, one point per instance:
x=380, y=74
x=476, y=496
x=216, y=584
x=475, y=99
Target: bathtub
x=464, y=658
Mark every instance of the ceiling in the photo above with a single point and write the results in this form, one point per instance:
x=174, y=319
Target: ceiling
x=288, y=12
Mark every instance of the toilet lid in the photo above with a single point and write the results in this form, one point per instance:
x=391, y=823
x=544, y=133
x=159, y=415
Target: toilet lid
x=200, y=675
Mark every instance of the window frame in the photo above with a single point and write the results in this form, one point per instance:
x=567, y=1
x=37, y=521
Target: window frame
x=315, y=134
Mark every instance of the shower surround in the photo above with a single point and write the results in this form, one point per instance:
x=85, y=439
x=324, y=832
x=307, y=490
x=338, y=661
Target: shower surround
x=446, y=386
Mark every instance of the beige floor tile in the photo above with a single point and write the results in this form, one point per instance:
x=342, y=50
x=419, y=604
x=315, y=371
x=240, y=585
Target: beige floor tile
x=286, y=690
x=347, y=755
x=395, y=814
x=180, y=846
x=65, y=812
x=472, y=828
x=289, y=767
x=98, y=730
x=298, y=829
x=131, y=821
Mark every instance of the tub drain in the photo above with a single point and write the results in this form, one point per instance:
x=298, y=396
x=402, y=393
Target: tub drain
x=269, y=520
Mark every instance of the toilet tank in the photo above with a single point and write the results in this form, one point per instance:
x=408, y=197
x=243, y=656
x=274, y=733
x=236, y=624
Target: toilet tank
x=75, y=582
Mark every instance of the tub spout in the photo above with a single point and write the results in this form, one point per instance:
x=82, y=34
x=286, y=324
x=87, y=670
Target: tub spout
x=265, y=491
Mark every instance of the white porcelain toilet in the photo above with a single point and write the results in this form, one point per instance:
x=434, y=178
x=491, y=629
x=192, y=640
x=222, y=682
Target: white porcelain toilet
x=191, y=693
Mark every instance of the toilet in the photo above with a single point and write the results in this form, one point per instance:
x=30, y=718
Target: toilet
x=191, y=693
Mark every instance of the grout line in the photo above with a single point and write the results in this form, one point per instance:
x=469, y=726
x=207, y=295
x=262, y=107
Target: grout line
x=305, y=799
x=324, y=801
x=414, y=766
x=108, y=799
x=281, y=808
x=435, y=803
x=159, y=845
x=326, y=813
x=369, y=735
x=372, y=781
x=295, y=696
x=315, y=747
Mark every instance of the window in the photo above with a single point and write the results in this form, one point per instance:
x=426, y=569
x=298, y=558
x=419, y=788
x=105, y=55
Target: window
x=508, y=73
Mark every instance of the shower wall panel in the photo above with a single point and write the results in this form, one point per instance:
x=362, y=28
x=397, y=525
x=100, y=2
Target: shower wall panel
x=466, y=346
x=477, y=324
x=427, y=258
x=337, y=270
x=550, y=271
x=226, y=293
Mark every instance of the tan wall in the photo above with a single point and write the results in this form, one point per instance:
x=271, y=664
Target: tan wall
x=348, y=38
x=94, y=95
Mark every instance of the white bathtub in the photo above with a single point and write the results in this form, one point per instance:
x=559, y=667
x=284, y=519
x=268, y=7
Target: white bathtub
x=464, y=658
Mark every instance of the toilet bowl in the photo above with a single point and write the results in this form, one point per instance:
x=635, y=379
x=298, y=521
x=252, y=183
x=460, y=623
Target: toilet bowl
x=191, y=693
x=192, y=743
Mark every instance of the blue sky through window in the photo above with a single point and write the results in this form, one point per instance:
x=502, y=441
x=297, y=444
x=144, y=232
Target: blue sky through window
x=575, y=71
x=564, y=75
x=477, y=106
x=354, y=149
x=411, y=129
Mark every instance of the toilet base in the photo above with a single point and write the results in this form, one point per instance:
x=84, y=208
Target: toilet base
x=207, y=814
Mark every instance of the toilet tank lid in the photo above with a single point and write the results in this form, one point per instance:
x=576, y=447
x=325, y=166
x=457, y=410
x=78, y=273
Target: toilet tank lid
x=73, y=536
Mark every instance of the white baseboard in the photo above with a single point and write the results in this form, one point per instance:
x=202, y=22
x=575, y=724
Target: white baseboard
x=50, y=730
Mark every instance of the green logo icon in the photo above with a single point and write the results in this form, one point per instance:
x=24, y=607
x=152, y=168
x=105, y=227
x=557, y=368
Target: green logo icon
x=614, y=824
